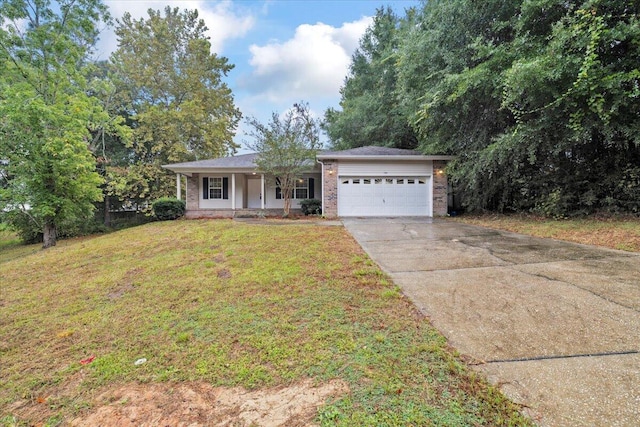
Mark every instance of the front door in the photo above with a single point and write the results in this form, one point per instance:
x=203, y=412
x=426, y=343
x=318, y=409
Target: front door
x=254, y=193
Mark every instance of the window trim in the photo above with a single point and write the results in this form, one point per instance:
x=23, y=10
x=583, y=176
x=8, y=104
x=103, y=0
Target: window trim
x=216, y=183
x=209, y=183
x=307, y=184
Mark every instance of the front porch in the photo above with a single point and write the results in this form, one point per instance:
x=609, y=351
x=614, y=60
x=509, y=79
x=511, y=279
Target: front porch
x=241, y=194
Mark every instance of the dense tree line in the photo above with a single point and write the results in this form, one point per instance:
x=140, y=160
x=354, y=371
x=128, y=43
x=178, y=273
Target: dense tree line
x=539, y=99
x=74, y=134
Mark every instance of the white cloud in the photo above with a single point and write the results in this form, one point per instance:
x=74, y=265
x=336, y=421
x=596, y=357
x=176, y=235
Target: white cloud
x=224, y=19
x=312, y=64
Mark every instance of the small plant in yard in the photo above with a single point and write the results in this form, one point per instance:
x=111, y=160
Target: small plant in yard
x=168, y=208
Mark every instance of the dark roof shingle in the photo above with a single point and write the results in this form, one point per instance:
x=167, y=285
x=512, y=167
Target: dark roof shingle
x=371, y=151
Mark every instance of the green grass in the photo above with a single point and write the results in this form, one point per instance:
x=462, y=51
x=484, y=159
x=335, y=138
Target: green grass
x=621, y=233
x=231, y=304
x=11, y=246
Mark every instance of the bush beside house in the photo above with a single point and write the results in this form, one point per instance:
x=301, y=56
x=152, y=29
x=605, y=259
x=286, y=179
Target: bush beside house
x=168, y=208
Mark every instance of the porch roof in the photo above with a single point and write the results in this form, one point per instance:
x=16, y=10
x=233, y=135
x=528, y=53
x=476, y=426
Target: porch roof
x=243, y=163
x=239, y=163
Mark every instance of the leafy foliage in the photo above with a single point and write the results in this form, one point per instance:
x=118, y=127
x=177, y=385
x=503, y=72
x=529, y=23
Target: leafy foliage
x=168, y=208
x=539, y=100
x=286, y=147
x=372, y=112
x=46, y=115
x=170, y=86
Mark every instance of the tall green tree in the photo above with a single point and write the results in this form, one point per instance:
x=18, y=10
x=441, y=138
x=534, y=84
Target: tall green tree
x=173, y=90
x=538, y=99
x=46, y=115
x=450, y=67
x=286, y=147
x=576, y=98
x=372, y=112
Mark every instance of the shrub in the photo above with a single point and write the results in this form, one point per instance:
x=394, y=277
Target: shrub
x=311, y=206
x=168, y=208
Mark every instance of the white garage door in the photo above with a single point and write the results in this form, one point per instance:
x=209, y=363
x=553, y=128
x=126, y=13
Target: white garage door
x=383, y=196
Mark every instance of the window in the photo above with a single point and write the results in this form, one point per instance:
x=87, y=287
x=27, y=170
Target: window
x=301, y=190
x=215, y=188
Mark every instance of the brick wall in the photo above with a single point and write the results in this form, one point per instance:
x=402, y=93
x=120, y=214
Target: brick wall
x=440, y=188
x=193, y=193
x=330, y=189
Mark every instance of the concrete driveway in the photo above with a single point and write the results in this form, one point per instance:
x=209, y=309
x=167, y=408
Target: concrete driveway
x=555, y=325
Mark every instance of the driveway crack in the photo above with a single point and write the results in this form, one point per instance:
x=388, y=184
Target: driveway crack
x=558, y=357
x=543, y=276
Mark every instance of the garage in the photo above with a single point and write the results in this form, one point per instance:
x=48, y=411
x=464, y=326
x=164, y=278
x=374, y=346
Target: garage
x=384, y=196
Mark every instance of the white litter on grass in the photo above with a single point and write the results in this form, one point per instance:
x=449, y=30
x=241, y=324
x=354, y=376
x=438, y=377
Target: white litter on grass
x=140, y=361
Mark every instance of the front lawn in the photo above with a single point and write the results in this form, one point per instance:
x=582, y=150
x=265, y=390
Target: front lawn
x=225, y=304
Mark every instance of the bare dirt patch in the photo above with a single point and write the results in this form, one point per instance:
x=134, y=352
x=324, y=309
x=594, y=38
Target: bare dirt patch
x=200, y=404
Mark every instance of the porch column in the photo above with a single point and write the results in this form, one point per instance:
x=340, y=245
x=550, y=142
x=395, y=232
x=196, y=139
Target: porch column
x=322, y=186
x=178, y=187
x=262, y=191
x=233, y=191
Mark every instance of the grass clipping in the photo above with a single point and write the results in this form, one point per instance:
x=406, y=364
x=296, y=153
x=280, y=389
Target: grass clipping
x=162, y=320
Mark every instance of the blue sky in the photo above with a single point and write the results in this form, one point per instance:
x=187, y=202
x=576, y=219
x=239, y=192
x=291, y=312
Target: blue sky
x=284, y=51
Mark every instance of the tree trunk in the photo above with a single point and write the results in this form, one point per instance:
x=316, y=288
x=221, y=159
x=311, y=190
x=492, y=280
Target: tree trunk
x=287, y=206
x=49, y=234
x=107, y=214
x=286, y=198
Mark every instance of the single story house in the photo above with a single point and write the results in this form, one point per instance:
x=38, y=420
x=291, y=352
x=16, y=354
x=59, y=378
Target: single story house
x=364, y=181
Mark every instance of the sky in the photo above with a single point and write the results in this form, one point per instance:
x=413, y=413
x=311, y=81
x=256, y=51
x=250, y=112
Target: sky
x=284, y=51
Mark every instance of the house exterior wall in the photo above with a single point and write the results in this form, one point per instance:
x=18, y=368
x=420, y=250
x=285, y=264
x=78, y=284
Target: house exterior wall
x=272, y=203
x=198, y=207
x=192, y=192
x=330, y=189
x=325, y=186
x=440, y=189
x=433, y=170
x=384, y=168
x=241, y=182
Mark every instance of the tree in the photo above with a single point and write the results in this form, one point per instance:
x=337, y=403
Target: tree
x=538, y=99
x=173, y=92
x=371, y=110
x=46, y=115
x=286, y=147
x=452, y=86
x=576, y=99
